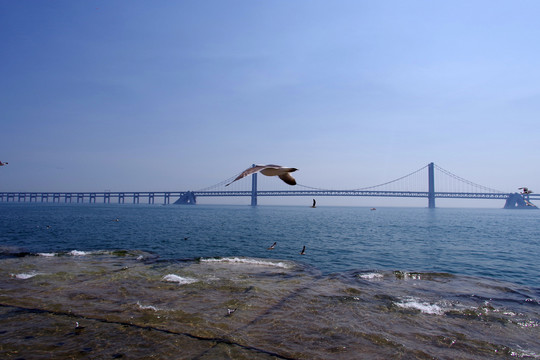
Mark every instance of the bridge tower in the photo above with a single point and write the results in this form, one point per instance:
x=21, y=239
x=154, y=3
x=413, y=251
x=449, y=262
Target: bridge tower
x=431, y=186
x=253, y=188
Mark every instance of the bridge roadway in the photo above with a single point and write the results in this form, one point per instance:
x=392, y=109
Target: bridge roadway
x=414, y=194
x=90, y=197
x=150, y=196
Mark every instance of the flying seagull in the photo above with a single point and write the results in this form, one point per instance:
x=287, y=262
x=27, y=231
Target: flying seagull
x=270, y=170
x=525, y=190
x=3, y=163
x=303, y=252
x=314, y=203
x=273, y=246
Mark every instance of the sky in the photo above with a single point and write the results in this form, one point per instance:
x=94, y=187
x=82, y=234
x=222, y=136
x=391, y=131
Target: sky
x=180, y=95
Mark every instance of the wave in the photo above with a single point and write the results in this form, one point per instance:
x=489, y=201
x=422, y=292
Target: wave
x=179, y=279
x=371, y=276
x=422, y=306
x=47, y=254
x=140, y=255
x=24, y=276
x=147, y=307
x=247, y=261
x=78, y=253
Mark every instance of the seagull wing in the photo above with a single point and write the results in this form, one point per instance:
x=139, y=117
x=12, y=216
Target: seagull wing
x=247, y=172
x=288, y=179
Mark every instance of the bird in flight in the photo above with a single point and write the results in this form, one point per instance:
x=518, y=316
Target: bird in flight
x=303, y=252
x=3, y=163
x=525, y=190
x=272, y=246
x=270, y=170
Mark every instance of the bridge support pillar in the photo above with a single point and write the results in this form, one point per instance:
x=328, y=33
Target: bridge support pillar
x=187, y=199
x=431, y=186
x=517, y=201
x=254, y=189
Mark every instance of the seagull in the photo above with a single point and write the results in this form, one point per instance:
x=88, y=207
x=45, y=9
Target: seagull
x=270, y=170
x=3, y=163
x=314, y=202
x=78, y=327
x=231, y=311
x=273, y=246
x=303, y=252
x=525, y=190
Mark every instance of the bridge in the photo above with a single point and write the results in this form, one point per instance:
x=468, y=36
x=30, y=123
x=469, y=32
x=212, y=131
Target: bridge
x=422, y=183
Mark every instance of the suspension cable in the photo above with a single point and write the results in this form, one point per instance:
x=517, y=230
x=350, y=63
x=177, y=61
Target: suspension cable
x=448, y=173
x=393, y=181
x=369, y=187
x=222, y=183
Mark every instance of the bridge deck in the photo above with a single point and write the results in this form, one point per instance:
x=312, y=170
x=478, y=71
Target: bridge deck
x=167, y=195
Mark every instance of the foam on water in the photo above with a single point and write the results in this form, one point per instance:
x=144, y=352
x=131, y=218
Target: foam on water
x=247, y=261
x=422, y=306
x=140, y=255
x=179, y=279
x=78, y=253
x=147, y=307
x=69, y=253
x=523, y=353
x=528, y=323
x=24, y=276
x=371, y=276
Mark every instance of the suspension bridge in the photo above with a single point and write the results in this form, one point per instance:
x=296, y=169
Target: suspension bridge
x=430, y=182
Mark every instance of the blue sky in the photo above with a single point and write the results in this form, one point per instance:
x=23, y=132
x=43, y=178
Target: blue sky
x=178, y=95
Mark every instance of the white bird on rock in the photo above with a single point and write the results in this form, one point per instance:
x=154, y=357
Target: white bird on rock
x=269, y=170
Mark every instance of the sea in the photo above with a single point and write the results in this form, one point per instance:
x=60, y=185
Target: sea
x=138, y=281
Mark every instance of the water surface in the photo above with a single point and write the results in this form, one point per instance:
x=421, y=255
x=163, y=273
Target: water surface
x=195, y=282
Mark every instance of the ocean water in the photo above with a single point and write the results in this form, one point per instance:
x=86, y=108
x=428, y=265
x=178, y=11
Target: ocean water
x=199, y=282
